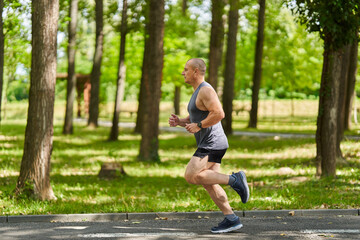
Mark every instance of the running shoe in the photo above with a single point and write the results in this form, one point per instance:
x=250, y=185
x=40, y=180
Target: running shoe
x=227, y=226
x=241, y=186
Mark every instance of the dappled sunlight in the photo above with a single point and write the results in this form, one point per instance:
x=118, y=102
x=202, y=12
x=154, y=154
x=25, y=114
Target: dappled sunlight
x=71, y=140
x=8, y=173
x=155, y=171
x=74, y=172
x=168, y=136
x=127, y=137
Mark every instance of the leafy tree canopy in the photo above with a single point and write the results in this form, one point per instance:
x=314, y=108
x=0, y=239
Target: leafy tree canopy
x=336, y=19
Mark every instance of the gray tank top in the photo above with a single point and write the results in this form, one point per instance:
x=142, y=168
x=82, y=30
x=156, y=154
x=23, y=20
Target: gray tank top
x=209, y=138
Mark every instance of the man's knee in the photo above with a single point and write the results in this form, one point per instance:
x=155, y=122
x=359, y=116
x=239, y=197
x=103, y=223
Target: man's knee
x=191, y=178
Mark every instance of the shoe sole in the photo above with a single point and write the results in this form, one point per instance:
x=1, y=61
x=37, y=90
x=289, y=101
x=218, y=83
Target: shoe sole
x=244, y=182
x=228, y=229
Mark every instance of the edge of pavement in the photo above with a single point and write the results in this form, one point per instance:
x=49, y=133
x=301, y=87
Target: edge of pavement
x=113, y=217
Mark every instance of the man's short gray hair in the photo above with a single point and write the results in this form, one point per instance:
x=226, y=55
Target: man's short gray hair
x=199, y=64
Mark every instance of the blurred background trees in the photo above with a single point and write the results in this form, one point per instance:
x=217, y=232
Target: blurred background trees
x=289, y=60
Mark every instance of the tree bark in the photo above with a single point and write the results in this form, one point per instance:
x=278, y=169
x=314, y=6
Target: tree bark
x=120, y=83
x=343, y=81
x=257, y=66
x=229, y=74
x=71, y=80
x=96, y=70
x=144, y=77
x=216, y=41
x=184, y=6
x=177, y=94
x=1, y=53
x=35, y=165
x=152, y=84
x=327, y=126
x=350, y=91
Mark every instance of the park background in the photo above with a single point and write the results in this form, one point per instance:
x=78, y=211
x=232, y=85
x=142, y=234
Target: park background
x=281, y=171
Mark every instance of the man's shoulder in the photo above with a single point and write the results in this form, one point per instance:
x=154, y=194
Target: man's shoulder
x=206, y=90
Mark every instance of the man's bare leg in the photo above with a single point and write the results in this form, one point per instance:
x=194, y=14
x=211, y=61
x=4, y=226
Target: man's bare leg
x=218, y=195
x=200, y=171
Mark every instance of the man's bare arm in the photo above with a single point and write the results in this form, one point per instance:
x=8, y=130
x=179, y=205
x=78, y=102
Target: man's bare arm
x=184, y=121
x=176, y=121
x=209, y=101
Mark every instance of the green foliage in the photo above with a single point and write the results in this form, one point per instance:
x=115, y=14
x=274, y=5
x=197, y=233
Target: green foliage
x=17, y=91
x=292, y=58
x=17, y=53
x=336, y=19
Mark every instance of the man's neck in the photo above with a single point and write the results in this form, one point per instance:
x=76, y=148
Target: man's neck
x=197, y=83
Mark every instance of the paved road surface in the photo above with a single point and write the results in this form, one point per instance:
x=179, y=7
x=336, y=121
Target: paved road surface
x=334, y=227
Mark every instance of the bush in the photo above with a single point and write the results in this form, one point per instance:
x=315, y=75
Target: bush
x=18, y=90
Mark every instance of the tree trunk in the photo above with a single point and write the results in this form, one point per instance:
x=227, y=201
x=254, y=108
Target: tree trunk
x=229, y=74
x=350, y=91
x=1, y=53
x=121, y=76
x=177, y=95
x=355, y=110
x=216, y=41
x=144, y=75
x=343, y=81
x=71, y=80
x=96, y=70
x=184, y=6
x=35, y=164
x=257, y=66
x=150, y=129
x=326, y=133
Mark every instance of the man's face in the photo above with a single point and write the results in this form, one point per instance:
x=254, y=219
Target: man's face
x=188, y=73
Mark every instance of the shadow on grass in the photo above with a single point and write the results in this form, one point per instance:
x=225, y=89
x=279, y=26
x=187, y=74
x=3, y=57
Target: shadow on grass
x=89, y=194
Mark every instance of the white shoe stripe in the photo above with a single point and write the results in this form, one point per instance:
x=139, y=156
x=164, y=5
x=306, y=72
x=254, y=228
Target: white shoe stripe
x=228, y=229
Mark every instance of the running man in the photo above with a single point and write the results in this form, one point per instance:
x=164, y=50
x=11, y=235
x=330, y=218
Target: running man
x=204, y=121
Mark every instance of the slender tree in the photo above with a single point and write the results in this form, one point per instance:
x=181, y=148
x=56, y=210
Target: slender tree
x=150, y=130
x=216, y=41
x=184, y=5
x=1, y=52
x=177, y=91
x=257, y=66
x=120, y=83
x=96, y=70
x=71, y=80
x=350, y=91
x=343, y=85
x=229, y=74
x=144, y=74
x=177, y=98
x=35, y=165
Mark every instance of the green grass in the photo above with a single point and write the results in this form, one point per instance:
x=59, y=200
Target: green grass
x=148, y=187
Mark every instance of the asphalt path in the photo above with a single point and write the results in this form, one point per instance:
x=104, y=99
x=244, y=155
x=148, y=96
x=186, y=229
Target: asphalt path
x=291, y=227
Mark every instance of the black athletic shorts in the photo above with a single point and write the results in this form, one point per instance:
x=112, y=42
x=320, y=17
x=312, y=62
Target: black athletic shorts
x=214, y=155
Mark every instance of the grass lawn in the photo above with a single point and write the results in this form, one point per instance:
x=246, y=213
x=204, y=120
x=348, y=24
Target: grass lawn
x=148, y=187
